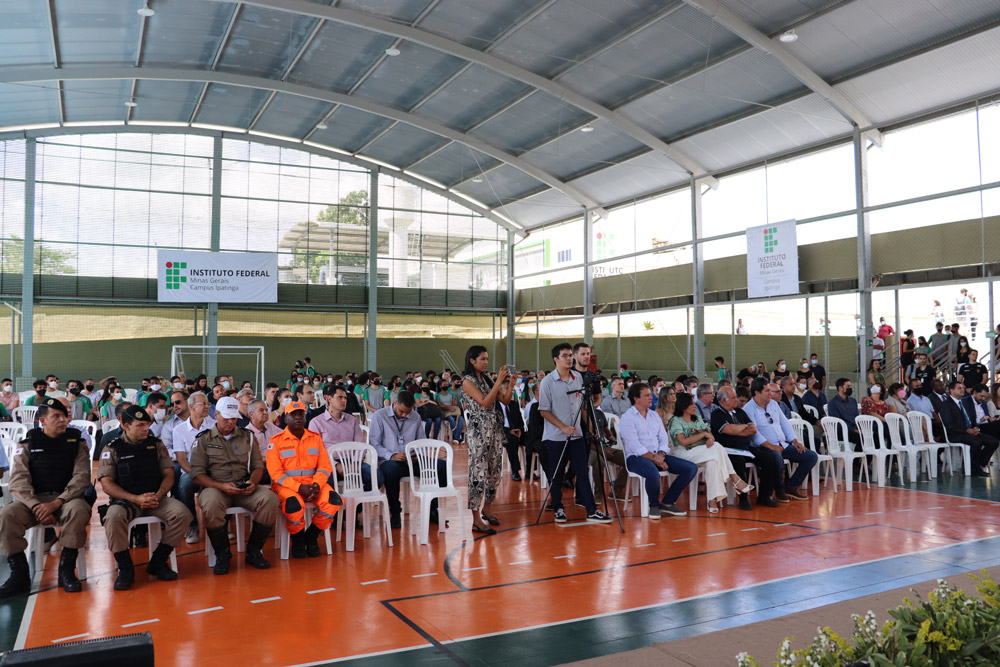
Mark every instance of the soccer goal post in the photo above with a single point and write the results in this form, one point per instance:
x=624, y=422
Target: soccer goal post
x=241, y=361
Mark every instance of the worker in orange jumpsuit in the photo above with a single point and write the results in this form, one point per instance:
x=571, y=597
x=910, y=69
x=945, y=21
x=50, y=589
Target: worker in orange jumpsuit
x=300, y=473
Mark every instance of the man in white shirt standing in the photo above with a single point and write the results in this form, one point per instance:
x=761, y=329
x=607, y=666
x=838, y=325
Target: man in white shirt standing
x=183, y=437
x=647, y=452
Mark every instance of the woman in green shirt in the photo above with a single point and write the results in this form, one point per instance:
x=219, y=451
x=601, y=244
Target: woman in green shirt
x=692, y=439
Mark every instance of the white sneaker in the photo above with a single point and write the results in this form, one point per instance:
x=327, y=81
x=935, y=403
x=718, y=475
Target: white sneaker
x=192, y=535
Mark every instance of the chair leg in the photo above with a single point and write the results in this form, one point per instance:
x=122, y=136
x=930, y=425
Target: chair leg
x=461, y=513
x=385, y=519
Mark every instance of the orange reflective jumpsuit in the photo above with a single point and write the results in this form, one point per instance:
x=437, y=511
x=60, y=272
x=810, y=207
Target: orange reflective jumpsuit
x=292, y=462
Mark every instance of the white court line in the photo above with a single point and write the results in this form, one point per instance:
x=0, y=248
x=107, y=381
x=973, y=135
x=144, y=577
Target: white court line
x=202, y=611
x=746, y=530
x=934, y=508
x=363, y=655
x=375, y=581
x=880, y=512
x=265, y=600
x=22, y=632
x=843, y=516
x=964, y=505
x=66, y=639
x=472, y=569
x=683, y=539
x=320, y=590
x=577, y=524
x=521, y=562
x=429, y=574
x=651, y=544
x=809, y=520
x=779, y=525
x=907, y=510
x=132, y=625
x=604, y=551
x=566, y=556
x=716, y=534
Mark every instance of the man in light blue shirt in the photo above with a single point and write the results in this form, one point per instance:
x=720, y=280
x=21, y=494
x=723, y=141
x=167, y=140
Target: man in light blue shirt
x=917, y=401
x=777, y=437
x=647, y=448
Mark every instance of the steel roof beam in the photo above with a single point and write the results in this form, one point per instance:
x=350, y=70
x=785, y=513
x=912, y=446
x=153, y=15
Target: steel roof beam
x=218, y=57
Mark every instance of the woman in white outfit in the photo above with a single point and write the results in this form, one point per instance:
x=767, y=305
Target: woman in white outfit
x=692, y=439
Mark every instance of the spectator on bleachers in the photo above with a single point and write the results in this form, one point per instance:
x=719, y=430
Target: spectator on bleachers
x=40, y=387
x=939, y=346
x=921, y=370
x=818, y=371
x=80, y=405
x=971, y=372
x=922, y=346
x=962, y=351
x=742, y=396
x=907, y=349
x=9, y=397
x=803, y=375
x=845, y=407
x=780, y=371
x=692, y=440
x=92, y=392
x=776, y=435
x=721, y=372
x=113, y=395
x=874, y=374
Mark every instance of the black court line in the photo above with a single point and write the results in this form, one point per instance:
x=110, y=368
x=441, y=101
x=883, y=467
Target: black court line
x=441, y=648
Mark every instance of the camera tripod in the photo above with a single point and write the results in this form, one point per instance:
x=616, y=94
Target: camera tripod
x=588, y=402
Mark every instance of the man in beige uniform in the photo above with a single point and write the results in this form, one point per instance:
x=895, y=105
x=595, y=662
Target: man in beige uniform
x=50, y=470
x=136, y=472
x=226, y=463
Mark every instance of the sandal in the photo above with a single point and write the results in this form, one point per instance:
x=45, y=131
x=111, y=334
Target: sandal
x=747, y=488
x=485, y=531
x=492, y=520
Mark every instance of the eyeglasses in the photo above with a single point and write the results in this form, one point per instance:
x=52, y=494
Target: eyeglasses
x=178, y=403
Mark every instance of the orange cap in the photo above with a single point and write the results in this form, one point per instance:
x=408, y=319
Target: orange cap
x=293, y=406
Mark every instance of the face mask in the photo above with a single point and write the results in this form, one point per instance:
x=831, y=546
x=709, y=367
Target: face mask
x=349, y=382
x=317, y=383
x=781, y=367
x=117, y=396
x=802, y=387
x=160, y=414
x=75, y=391
x=329, y=379
x=145, y=387
x=178, y=385
x=53, y=384
x=90, y=387
x=225, y=384
x=901, y=394
x=425, y=389
x=7, y=389
x=876, y=389
x=418, y=379
x=154, y=387
x=377, y=383
x=40, y=391
x=285, y=401
x=815, y=362
x=805, y=365
x=299, y=380
x=848, y=391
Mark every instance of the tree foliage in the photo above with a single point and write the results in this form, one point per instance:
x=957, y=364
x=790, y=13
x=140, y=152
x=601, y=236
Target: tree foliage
x=49, y=261
x=351, y=210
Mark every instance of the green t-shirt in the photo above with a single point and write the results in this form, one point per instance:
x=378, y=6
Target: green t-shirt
x=87, y=405
x=33, y=399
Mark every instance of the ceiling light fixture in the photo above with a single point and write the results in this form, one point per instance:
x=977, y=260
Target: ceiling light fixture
x=146, y=11
x=131, y=104
x=788, y=36
x=322, y=126
x=587, y=128
x=392, y=52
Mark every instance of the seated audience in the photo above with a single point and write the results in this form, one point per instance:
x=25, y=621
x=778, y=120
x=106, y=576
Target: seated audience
x=734, y=429
x=845, y=407
x=961, y=427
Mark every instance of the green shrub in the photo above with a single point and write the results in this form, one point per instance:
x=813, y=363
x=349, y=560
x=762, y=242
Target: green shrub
x=949, y=629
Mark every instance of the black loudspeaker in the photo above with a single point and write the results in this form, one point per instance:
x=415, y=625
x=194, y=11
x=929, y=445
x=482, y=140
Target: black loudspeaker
x=134, y=650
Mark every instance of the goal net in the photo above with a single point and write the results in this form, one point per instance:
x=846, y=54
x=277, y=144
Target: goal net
x=243, y=362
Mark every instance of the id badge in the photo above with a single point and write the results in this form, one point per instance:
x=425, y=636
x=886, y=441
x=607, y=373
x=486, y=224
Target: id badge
x=399, y=441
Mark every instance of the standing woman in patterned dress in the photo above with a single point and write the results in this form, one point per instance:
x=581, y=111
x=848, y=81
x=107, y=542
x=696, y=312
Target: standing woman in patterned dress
x=484, y=434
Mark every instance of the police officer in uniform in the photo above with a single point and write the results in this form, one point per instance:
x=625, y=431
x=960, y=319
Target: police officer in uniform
x=136, y=472
x=49, y=473
x=226, y=463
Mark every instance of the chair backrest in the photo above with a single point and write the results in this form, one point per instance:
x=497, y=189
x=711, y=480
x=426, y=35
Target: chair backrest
x=13, y=432
x=871, y=432
x=427, y=452
x=110, y=425
x=899, y=431
x=920, y=423
x=365, y=429
x=811, y=410
x=25, y=414
x=804, y=432
x=130, y=394
x=613, y=420
x=84, y=425
x=833, y=427
x=825, y=411
x=351, y=455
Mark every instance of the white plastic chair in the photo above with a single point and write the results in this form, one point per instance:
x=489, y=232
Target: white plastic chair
x=351, y=455
x=920, y=423
x=110, y=425
x=811, y=410
x=872, y=444
x=425, y=485
x=130, y=395
x=365, y=429
x=638, y=484
x=8, y=450
x=13, y=431
x=36, y=552
x=842, y=451
x=804, y=433
x=25, y=414
x=155, y=535
x=239, y=513
x=899, y=436
x=84, y=425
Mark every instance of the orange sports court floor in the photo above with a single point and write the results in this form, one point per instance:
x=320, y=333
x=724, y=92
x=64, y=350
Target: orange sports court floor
x=533, y=594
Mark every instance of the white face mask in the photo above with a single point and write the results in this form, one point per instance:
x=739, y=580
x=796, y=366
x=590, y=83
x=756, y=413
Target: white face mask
x=876, y=389
x=805, y=364
x=53, y=384
x=285, y=401
x=815, y=362
x=802, y=387
x=154, y=387
x=781, y=367
x=117, y=396
x=7, y=389
x=178, y=385
x=160, y=414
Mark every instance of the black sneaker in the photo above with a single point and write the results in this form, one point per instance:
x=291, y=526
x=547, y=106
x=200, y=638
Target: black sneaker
x=767, y=502
x=561, y=516
x=672, y=510
x=515, y=477
x=597, y=516
x=395, y=521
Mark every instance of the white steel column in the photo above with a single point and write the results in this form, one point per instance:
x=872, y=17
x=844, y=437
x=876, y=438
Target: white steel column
x=511, y=347
x=588, y=277
x=371, y=356
x=697, y=281
x=212, y=330
x=28, y=266
x=866, y=331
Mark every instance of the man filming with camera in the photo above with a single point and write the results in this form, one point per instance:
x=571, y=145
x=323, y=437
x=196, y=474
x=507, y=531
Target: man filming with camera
x=560, y=396
x=226, y=463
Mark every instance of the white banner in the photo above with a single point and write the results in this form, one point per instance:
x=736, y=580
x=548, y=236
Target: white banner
x=217, y=277
x=772, y=260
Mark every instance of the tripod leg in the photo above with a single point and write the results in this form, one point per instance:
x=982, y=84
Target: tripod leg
x=548, y=491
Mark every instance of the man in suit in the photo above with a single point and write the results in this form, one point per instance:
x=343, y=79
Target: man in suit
x=513, y=428
x=793, y=402
x=960, y=427
x=975, y=407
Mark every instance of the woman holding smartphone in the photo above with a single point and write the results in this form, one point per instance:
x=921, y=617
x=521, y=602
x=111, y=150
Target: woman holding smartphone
x=484, y=435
